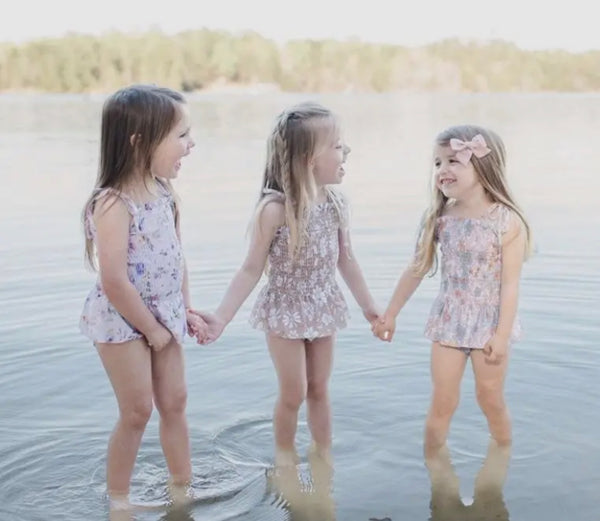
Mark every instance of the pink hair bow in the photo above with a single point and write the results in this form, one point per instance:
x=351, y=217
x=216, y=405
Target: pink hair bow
x=465, y=149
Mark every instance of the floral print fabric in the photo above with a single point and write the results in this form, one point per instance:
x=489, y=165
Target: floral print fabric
x=302, y=299
x=466, y=310
x=155, y=266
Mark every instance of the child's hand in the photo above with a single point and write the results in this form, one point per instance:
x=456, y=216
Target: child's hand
x=197, y=327
x=215, y=326
x=371, y=314
x=496, y=349
x=384, y=327
x=159, y=338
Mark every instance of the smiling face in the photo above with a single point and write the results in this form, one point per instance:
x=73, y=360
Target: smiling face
x=452, y=178
x=328, y=163
x=166, y=160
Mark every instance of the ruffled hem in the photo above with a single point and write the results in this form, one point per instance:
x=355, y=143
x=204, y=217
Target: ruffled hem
x=458, y=325
x=101, y=322
x=305, y=334
x=295, y=319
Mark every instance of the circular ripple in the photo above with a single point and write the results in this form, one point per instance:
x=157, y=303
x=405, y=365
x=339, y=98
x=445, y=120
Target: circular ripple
x=61, y=475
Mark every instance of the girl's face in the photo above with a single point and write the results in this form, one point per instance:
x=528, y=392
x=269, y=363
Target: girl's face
x=166, y=160
x=328, y=164
x=452, y=178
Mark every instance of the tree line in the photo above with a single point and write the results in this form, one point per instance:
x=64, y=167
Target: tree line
x=202, y=59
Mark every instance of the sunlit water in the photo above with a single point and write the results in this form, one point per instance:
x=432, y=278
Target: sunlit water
x=57, y=408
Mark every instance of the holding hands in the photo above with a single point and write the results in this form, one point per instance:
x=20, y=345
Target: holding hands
x=212, y=326
x=384, y=327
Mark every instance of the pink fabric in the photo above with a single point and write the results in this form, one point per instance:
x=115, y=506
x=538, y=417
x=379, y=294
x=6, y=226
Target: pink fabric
x=466, y=310
x=465, y=149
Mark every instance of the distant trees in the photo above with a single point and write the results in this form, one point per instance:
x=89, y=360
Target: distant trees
x=195, y=60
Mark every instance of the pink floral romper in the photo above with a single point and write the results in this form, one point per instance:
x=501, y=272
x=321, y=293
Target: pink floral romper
x=302, y=299
x=466, y=311
x=155, y=266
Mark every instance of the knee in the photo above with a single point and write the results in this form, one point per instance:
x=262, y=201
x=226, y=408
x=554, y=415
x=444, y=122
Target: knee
x=490, y=399
x=443, y=404
x=317, y=391
x=136, y=415
x=173, y=403
x=292, y=398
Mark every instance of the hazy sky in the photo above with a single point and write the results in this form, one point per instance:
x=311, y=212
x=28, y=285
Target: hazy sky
x=530, y=24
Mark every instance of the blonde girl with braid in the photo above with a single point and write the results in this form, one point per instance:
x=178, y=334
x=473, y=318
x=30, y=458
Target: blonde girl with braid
x=484, y=238
x=301, y=230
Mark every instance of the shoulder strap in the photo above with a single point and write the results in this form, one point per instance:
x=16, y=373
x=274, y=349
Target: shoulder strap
x=500, y=214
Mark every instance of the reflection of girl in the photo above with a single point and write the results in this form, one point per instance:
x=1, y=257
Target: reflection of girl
x=310, y=501
x=488, y=501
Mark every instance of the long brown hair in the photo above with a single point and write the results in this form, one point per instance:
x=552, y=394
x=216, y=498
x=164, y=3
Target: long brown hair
x=491, y=171
x=135, y=120
x=293, y=142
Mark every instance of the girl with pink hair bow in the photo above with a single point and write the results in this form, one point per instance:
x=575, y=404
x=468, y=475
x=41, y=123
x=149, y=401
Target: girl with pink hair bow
x=483, y=238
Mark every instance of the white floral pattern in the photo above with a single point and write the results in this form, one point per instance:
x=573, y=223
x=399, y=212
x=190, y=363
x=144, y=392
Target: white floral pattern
x=302, y=298
x=467, y=308
x=155, y=267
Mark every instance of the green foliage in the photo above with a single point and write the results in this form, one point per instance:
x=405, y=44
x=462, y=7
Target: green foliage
x=195, y=60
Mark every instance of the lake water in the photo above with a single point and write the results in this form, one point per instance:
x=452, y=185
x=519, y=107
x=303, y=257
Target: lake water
x=57, y=408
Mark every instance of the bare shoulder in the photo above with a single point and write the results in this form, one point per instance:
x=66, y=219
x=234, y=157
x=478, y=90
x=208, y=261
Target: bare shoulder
x=270, y=213
x=110, y=208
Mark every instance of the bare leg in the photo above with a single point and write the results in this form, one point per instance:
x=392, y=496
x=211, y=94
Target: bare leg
x=489, y=384
x=289, y=359
x=170, y=396
x=128, y=366
x=319, y=362
x=447, y=368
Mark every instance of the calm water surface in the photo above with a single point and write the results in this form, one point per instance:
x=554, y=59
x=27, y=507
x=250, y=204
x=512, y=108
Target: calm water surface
x=57, y=408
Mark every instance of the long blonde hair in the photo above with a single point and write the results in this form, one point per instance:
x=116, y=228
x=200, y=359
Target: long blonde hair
x=292, y=144
x=491, y=171
x=146, y=111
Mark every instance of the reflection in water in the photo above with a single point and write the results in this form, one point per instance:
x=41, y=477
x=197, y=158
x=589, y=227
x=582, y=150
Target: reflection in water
x=173, y=513
x=181, y=499
x=306, y=499
x=488, y=501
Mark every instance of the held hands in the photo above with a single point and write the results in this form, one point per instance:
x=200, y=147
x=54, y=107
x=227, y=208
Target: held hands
x=196, y=326
x=214, y=326
x=384, y=327
x=496, y=349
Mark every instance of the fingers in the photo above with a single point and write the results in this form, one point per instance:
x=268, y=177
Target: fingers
x=382, y=331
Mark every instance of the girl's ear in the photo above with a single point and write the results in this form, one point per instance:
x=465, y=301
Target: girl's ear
x=133, y=139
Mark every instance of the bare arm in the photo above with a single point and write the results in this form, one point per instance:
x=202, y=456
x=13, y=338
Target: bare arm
x=244, y=281
x=112, y=222
x=406, y=286
x=354, y=278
